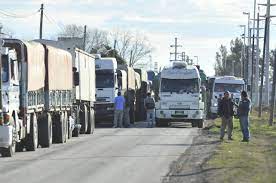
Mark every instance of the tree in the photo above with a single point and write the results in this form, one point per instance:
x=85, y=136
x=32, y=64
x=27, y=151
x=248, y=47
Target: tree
x=131, y=47
x=95, y=39
x=221, y=58
x=229, y=64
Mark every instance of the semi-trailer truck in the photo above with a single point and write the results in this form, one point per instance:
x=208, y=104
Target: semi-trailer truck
x=38, y=105
x=180, y=97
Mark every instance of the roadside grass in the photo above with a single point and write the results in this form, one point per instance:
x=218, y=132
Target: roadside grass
x=253, y=162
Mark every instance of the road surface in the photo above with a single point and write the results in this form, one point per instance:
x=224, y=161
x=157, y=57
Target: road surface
x=130, y=155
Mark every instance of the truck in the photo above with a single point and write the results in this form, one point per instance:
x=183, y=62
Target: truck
x=180, y=96
x=83, y=93
x=133, y=84
x=39, y=103
x=217, y=86
x=109, y=80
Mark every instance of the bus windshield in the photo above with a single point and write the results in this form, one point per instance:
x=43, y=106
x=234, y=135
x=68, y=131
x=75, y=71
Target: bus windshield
x=180, y=85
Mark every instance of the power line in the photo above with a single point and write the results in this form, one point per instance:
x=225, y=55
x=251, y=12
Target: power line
x=12, y=15
x=53, y=21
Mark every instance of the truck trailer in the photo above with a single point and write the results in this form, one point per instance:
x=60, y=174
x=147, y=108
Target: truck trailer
x=39, y=103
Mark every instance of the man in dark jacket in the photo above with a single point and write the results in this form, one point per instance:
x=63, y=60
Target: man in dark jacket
x=243, y=113
x=226, y=112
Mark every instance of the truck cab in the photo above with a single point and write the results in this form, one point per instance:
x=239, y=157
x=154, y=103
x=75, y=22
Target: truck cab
x=106, y=87
x=10, y=73
x=180, y=97
x=217, y=87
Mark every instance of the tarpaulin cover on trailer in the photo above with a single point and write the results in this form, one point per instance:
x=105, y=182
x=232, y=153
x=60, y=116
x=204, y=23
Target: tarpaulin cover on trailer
x=36, y=67
x=59, y=64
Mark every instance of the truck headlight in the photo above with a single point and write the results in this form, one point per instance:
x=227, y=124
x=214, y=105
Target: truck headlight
x=215, y=104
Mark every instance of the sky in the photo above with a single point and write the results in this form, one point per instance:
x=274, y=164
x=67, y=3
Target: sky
x=201, y=26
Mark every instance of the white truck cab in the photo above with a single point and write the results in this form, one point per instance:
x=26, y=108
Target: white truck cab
x=180, y=97
x=225, y=83
x=106, y=86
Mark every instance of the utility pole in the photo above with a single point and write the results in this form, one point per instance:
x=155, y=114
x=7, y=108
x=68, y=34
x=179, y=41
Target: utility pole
x=248, y=50
x=257, y=73
x=196, y=59
x=175, y=46
x=84, y=37
x=262, y=72
x=267, y=51
x=272, y=103
x=253, y=53
x=114, y=48
x=243, y=52
x=41, y=21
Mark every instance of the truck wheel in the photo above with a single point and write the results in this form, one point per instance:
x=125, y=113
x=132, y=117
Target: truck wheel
x=76, y=132
x=161, y=123
x=45, y=130
x=91, y=122
x=200, y=123
x=83, y=120
x=66, y=124
x=8, y=152
x=19, y=147
x=32, y=138
x=194, y=124
x=58, y=130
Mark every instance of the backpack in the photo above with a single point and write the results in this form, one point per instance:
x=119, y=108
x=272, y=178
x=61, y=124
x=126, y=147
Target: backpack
x=150, y=104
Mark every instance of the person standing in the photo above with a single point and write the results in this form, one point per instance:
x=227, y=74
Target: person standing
x=126, y=120
x=226, y=112
x=149, y=105
x=243, y=114
x=119, y=103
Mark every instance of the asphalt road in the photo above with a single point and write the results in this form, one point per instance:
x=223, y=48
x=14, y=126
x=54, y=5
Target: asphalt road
x=131, y=155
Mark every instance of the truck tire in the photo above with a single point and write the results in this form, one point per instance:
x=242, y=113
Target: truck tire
x=200, y=123
x=194, y=124
x=66, y=125
x=45, y=130
x=91, y=122
x=161, y=123
x=32, y=138
x=58, y=130
x=76, y=132
x=83, y=120
x=9, y=152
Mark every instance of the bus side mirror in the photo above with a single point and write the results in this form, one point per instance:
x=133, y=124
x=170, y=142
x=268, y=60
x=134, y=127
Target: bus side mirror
x=76, y=78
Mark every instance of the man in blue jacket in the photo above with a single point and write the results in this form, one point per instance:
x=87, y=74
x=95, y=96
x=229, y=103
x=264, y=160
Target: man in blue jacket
x=243, y=114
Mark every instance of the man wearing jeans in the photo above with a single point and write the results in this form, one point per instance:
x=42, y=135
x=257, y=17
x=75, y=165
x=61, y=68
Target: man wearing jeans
x=119, y=103
x=243, y=112
x=226, y=112
x=149, y=105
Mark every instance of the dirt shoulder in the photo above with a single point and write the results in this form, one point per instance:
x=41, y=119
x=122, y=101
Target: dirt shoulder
x=209, y=160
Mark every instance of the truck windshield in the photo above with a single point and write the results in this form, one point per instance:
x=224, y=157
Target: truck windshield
x=5, y=68
x=180, y=85
x=104, y=80
x=222, y=87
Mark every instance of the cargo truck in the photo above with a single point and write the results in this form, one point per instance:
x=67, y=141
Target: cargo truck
x=39, y=103
x=180, y=97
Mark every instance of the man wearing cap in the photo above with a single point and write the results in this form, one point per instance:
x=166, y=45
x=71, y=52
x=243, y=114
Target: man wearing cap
x=226, y=112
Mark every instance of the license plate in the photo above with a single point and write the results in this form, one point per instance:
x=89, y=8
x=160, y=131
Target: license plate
x=179, y=112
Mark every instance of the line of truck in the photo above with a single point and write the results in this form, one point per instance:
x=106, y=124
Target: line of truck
x=52, y=91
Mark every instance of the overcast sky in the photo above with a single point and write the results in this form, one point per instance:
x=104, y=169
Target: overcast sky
x=200, y=25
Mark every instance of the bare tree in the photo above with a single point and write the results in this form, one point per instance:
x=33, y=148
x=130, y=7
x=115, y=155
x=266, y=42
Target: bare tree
x=95, y=39
x=128, y=42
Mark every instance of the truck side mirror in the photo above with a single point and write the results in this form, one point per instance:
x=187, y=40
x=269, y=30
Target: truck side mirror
x=76, y=78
